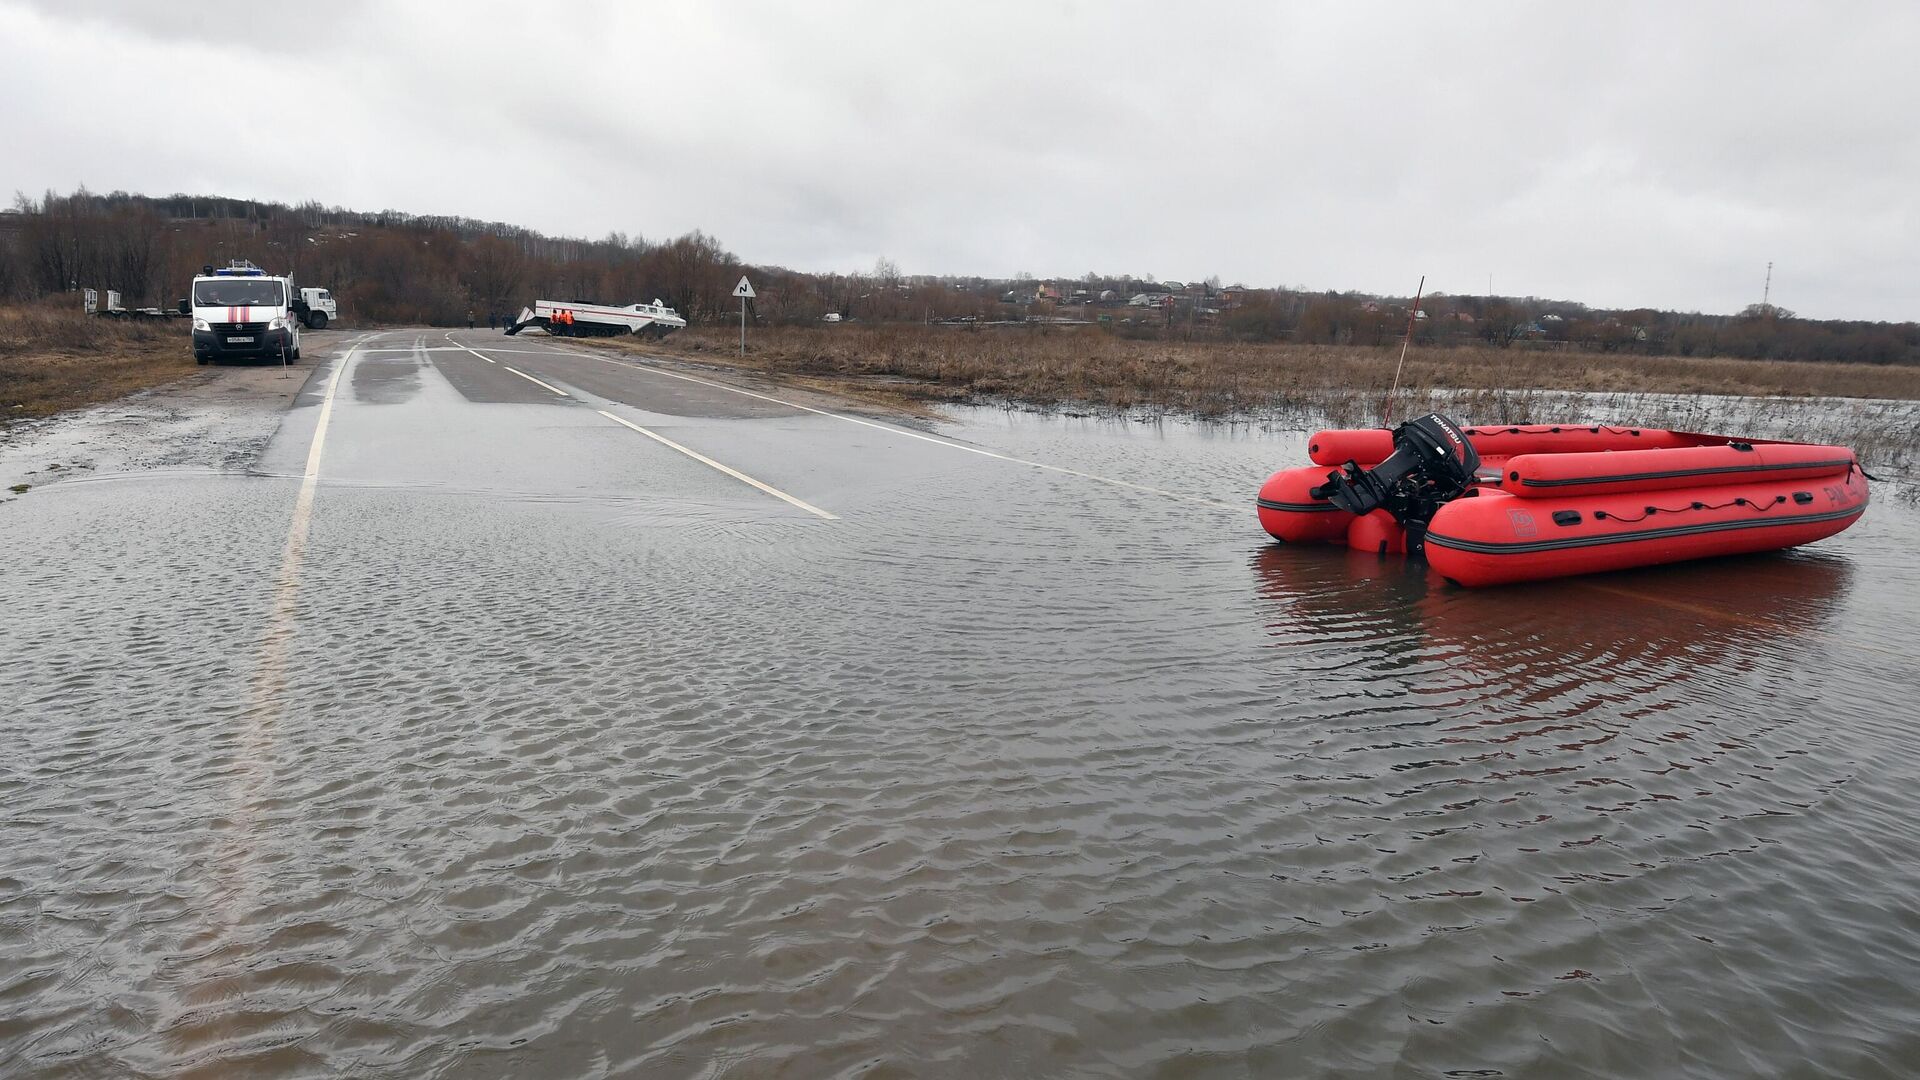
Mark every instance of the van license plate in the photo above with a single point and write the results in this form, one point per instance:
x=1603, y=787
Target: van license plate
x=239, y=341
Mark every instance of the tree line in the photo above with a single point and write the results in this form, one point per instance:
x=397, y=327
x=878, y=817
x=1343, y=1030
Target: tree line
x=381, y=267
x=1758, y=332
x=393, y=267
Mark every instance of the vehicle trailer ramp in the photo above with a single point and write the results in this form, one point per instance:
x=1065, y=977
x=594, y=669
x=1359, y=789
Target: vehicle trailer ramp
x=527, y=318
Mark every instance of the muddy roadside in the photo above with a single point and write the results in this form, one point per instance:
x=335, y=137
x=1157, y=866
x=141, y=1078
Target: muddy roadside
x=216, y=419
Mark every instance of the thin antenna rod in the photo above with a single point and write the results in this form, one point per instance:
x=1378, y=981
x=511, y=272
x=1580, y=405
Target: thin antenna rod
x=1387, y=405
x=1766, y=292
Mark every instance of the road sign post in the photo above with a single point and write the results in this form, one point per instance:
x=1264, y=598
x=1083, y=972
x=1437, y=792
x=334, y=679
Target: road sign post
x=744, y=291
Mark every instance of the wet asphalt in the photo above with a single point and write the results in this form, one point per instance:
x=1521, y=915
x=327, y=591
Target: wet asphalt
x=450, y=409
x=507, y=707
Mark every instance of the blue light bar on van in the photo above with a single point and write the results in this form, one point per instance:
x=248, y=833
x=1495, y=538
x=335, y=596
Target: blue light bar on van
x=235, y=271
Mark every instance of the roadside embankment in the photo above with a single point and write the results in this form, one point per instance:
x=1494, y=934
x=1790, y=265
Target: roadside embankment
x=53, y=357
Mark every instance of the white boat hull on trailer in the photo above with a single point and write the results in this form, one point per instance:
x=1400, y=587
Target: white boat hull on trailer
x=566, y=318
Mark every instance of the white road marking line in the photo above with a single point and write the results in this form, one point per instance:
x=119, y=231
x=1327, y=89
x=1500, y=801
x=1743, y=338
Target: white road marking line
x=915, y=435
x=238, y=869
x=664, y=441
x=457, y=347
x=531, y=379
x=705, y=460
x=475, y=352
x=280, y=628
x=296, y=548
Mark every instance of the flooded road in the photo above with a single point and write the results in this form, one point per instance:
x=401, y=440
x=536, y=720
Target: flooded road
x=562, y=716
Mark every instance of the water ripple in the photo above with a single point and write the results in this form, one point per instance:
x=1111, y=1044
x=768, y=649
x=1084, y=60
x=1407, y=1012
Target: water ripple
x=1032, y=780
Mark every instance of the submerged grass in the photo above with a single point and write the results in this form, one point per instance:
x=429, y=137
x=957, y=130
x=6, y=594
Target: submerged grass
x=1091, y=370
x=53, y=357
x=1050, y=367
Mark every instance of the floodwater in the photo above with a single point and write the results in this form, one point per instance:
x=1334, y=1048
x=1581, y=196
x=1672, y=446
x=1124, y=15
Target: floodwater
x=1006, y=772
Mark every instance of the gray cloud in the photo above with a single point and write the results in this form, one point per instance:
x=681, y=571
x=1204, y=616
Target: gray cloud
x=1622, y=155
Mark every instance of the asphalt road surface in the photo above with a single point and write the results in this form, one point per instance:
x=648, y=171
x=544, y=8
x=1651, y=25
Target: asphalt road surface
x=507, y=707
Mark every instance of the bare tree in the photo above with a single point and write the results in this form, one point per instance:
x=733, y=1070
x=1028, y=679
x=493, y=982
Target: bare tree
x=495, y=268
x=1503, y=323
x=689, y=266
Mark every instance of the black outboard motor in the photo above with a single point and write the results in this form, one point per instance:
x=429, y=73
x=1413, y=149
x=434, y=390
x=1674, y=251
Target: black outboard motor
x=1432, y=463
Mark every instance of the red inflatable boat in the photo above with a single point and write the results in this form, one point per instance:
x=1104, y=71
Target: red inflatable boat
x=1489, y=505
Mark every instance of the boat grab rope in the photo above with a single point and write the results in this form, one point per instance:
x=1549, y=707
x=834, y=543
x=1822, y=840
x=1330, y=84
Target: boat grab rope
x=1542, y=429
x=1757, y=507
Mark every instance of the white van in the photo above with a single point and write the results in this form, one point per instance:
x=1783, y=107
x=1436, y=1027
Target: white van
x=241, y=311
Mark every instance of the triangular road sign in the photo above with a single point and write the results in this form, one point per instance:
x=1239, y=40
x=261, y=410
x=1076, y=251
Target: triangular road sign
x=745, y=288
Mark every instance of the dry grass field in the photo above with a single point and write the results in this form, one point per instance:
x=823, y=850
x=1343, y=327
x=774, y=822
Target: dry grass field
x=52, y=357
x=912, y=367
x=1087, y=368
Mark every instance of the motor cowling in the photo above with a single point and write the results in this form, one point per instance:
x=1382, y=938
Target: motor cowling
x=1432, y=463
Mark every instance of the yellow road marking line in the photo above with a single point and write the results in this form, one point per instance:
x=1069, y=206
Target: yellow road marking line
x=705, y=460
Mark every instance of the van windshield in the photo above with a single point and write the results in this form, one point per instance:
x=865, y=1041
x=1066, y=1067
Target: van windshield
x=237, y=292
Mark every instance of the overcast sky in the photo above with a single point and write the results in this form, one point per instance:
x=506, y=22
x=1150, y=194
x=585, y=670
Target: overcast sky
x=1617, y=154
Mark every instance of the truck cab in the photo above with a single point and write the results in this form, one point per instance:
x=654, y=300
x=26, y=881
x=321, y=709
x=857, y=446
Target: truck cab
x=317, y=308
x=242, y=311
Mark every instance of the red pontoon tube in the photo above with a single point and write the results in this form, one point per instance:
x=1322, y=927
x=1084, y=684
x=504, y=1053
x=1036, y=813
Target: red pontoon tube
x=1488, y=505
